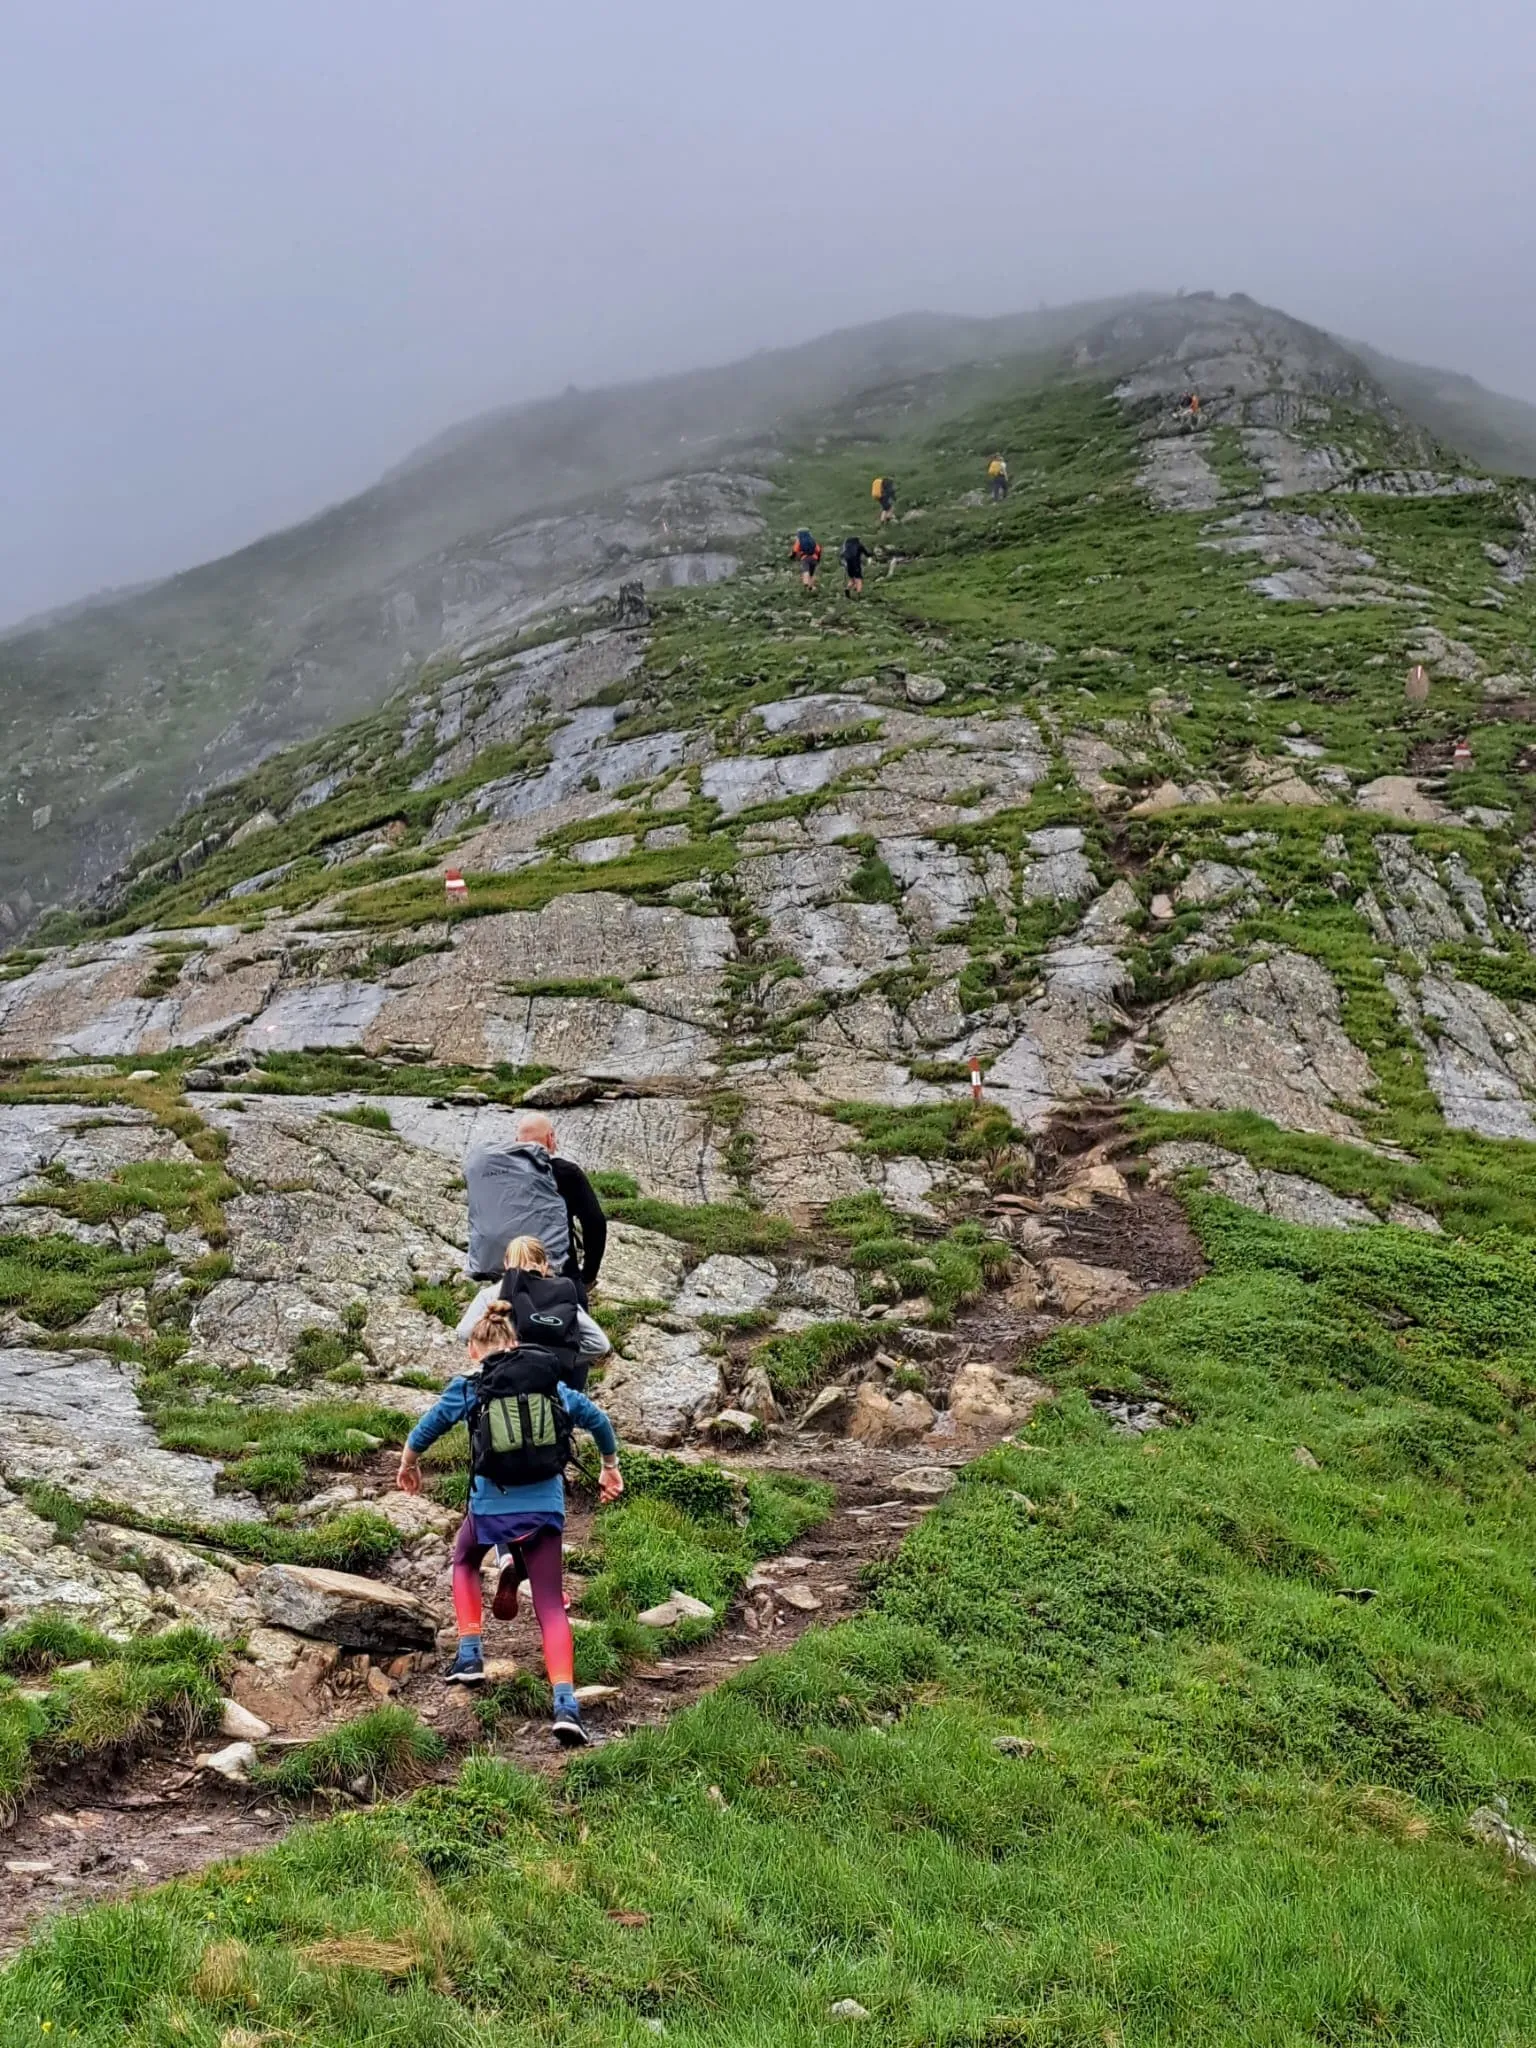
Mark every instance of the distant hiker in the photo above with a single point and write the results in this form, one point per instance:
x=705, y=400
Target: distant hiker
x=1192, y=408
x=997, y=478
x=520, y=1418
x=806, y=550
x=526, y=1190
x=855, y=555
x=883, y=491
x=546, y=1310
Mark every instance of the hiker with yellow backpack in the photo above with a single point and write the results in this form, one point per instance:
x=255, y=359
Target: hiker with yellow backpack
x=883, y=491
x=997, y=477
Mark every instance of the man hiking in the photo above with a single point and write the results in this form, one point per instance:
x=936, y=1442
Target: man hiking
x=855, y=555
x=883, y=491
x=527, y=1190
x=997, y=477
x=806, y=550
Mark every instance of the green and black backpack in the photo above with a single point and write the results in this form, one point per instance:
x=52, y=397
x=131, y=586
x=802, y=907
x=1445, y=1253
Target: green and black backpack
x=519, y=1432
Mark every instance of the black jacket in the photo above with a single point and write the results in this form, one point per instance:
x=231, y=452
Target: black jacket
x=589, y=1226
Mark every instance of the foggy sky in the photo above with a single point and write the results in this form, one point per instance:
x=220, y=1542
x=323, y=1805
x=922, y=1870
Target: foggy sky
x=253, y=251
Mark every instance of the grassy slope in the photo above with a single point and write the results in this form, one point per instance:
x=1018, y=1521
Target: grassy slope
x=1242, y=1818
x=1263, y=1697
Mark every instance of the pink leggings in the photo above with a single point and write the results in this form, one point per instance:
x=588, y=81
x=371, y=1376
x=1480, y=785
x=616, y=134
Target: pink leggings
x=540, y=1560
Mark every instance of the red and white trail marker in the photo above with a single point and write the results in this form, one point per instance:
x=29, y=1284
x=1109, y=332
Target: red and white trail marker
x=975, y=1080
x=1461, y=755
x=454, y=886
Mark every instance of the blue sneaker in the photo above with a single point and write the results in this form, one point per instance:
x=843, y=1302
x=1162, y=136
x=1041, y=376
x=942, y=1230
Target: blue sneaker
x=468, y=1666
x=567, y=1724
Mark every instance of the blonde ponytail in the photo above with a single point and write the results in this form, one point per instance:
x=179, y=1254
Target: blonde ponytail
x=495, y=1330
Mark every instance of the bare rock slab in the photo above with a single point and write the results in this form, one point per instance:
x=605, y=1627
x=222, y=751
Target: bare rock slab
x=1269, y=1040
x=657, y=1392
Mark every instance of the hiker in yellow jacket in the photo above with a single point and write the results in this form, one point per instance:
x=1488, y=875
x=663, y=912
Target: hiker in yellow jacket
x=997, y=477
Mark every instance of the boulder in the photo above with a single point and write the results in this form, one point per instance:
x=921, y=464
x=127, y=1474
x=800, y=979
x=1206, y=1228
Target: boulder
x=640, y=1265
x=925, y=1482
x=1082, y=1290
x=561, y=1091
x=877, y=1419
x=72, y=1418
x=234, y=1763
x=240, y=1724
x=341, y=1608
x=1270, y=1041
x=757, y=1396
x=991, y=1402
x=675, y=1608
x=828, y=1413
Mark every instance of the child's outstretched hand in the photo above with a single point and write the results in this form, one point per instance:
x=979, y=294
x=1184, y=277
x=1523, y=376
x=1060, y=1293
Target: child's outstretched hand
x=610, y=1482
x=408, y=1478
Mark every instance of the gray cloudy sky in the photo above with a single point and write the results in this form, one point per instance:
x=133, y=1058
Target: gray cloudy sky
x=252, y=251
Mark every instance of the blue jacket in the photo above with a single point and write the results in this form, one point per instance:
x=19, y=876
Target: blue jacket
x=546, y=1496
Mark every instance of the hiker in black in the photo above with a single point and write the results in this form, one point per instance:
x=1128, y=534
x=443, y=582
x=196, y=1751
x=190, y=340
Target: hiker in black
x=855, y=554
x=885, y=497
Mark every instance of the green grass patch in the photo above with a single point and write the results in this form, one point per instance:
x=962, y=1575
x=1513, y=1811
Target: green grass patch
x=367, y=1116
x=706, y=1227
x=801, y=1362
x=388, y=1747
x=949, y=1271
x=125, y=1696
x=54, y=1281
x=355, y=1073
x=187, y=1196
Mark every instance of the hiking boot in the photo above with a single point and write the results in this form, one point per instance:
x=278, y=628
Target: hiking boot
x=504, y=1606
x=468, y=1668
x=567, y=1724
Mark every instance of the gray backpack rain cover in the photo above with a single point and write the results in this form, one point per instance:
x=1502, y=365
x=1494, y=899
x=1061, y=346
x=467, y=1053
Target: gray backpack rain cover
x=512, y=1193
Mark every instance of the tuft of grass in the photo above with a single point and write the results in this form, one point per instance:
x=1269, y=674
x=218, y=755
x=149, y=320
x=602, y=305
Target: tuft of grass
x=44, y=1641
x=126, y=1695
x=388, y=1746
x=949, y=1271
x=53, y=1281
x=802, y=1362
x=367, y=1115
x=185, y=1195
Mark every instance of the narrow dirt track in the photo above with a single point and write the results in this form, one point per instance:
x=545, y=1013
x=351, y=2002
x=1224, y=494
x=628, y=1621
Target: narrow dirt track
x=107, y=1835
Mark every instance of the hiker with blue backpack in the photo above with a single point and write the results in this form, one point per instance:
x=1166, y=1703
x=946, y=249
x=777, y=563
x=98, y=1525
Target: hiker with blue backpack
x=806, y=550
x=528, y=1344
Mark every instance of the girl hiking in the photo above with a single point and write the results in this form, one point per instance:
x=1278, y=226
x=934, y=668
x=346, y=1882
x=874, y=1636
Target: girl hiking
x=520, y=1416
x=546, y=1308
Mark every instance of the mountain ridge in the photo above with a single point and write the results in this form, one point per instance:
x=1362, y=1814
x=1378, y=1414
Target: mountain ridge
x=122, y=708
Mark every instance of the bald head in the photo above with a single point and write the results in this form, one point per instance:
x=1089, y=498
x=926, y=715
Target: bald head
x=536, y=1129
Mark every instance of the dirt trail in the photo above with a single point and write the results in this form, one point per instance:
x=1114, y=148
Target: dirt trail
x=105, y=1835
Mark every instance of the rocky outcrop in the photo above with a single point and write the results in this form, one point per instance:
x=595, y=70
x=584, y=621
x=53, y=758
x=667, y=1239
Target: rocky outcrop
x=1479, y=1054
x=1268, y=1040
